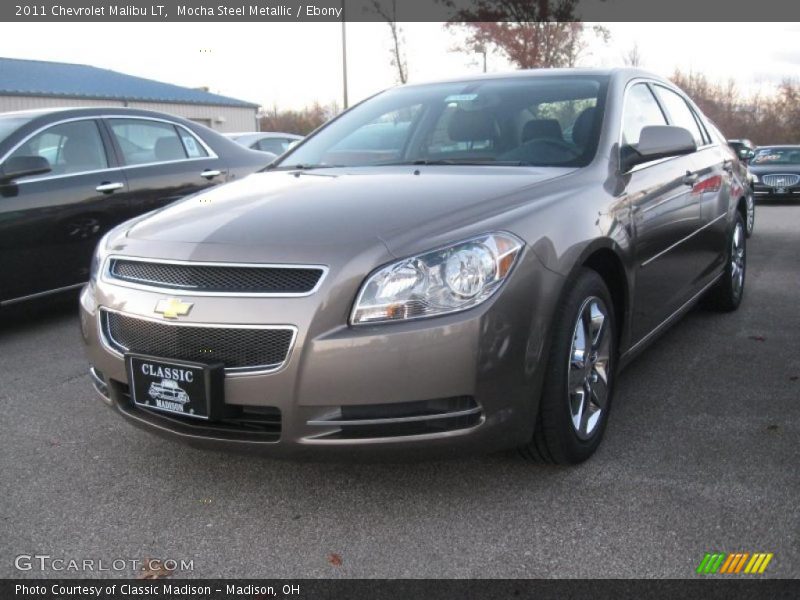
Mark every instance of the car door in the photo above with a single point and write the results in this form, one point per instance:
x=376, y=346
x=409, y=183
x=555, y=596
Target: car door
x=663, y=215
x=163, y=161
x=711, y=188
x=50, y=223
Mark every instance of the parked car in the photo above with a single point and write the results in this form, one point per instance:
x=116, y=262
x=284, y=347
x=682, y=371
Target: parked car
x=478, y=285
x=776, y=171
x=272, y=142
x=67, y=176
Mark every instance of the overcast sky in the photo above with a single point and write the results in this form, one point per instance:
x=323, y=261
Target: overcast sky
x=294, y=64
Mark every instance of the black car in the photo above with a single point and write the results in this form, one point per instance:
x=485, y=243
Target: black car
x=776, y=171
x=67, y=176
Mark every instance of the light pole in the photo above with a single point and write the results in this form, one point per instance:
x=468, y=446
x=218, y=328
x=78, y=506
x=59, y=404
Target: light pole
x=344, y=55
x=482, y=50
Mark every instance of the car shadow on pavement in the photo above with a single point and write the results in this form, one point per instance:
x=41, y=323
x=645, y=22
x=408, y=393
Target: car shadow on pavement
x=769, y=201
x=38, y=313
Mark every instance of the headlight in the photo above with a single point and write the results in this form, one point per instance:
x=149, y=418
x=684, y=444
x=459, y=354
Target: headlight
x=754, y=177
x=443, y=281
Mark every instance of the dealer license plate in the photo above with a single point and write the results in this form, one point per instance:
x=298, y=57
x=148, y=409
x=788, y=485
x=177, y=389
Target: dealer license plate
x=186, y=388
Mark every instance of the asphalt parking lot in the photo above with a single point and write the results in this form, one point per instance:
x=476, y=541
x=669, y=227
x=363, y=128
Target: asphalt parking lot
x=701, y=454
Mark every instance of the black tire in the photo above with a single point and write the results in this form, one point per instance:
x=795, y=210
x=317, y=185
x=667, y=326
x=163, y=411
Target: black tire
x=557, y=438
x=726, y=295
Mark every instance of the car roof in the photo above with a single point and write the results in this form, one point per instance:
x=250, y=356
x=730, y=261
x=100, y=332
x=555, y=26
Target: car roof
x=614, y=72
x=72, y=111
x=261, y=134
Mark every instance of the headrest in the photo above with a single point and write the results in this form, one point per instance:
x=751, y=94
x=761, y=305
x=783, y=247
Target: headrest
x=583, y=126
x=542, y=128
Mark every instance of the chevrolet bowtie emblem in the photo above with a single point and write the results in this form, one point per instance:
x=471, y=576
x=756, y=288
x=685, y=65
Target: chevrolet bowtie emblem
x=172, y=308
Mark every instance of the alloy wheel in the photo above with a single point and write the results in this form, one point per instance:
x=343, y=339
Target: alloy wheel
x=589, y=363
x=737, y=259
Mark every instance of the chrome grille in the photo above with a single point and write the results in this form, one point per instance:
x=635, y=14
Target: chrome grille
x=217, y=278
x=777, y=180
x=238, y=348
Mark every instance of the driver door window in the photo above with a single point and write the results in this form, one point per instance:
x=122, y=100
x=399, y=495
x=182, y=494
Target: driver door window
x=641, y=110
x=680, y=114
x=70, y=148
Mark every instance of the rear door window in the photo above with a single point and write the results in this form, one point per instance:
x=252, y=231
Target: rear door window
x=147, y=142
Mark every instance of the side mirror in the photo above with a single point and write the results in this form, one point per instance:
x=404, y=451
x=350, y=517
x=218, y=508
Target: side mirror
x=744, y=153
x=23, y=166
x=658, y=141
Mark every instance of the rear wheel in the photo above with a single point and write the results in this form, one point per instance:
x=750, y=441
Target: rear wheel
x=578, y=386
x=727, y=294
x=750, y=211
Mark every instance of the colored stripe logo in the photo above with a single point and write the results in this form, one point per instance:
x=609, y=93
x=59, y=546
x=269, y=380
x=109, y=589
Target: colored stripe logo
x=734, y=563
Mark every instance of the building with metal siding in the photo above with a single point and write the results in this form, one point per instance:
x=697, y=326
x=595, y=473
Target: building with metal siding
x=31, y=84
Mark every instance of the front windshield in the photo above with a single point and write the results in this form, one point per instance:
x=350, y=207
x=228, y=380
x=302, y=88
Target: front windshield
x=777, y=156
x=9, y=125
x=539, y=120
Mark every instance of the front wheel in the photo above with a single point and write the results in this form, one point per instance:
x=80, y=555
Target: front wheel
x=576, y=396
x=727, y=294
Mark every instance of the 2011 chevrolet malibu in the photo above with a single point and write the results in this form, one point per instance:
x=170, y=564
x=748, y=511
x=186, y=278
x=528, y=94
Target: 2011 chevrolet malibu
x=455, y=266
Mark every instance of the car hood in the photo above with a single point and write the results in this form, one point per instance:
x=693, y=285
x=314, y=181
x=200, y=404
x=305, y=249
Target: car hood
x=777, y=169
x=325, y=208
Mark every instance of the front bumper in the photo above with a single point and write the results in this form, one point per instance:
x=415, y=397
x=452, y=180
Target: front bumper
x=453, y=384
x=762, y=190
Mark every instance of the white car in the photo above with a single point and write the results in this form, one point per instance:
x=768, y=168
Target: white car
x=266, y=141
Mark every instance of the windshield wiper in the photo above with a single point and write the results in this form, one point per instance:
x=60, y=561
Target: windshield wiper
x=302, y=167
x=457, y=161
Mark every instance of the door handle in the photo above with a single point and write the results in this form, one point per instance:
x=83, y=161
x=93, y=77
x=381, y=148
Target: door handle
x=108, y=187
x=690, y=178
x=211, y=173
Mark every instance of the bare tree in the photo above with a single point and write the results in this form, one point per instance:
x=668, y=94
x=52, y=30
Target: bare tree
x=398, y=40
x=765, y=119
x=301, y=122
x=633, y=57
